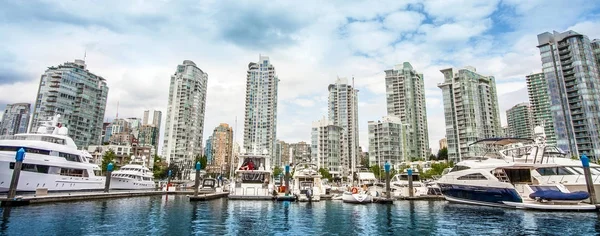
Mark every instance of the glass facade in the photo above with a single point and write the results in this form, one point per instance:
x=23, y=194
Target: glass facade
x=570, y=69
x=520, y=121
x=343, y=112
x=539, y=98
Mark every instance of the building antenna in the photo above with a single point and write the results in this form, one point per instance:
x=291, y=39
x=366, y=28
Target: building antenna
x=84, y=54
x=117, y=111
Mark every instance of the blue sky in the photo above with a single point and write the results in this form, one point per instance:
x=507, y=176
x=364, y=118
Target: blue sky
x=136, y=46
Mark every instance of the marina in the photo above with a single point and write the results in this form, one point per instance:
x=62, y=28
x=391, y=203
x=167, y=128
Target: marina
x=175, y=215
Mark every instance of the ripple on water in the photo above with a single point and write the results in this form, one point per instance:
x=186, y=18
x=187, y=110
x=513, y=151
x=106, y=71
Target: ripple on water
x=175, y=215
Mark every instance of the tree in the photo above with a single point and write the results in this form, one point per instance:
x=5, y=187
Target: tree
x=160, y=168
x=108, y=157
x=203, y=162
x=376, y=170
x=432, y=157
x=436, y=169
x=325, y=173
x=442, y=154
x=277, y=171
x=364, y=161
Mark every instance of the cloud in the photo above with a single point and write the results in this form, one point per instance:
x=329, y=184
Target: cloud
x=137, y=45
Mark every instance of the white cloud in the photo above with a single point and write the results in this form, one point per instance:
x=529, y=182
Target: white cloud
x=137, y=46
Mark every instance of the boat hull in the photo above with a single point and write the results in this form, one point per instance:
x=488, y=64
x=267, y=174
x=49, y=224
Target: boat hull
x=479, y=195
x=359, y=198
x=30, y=181
x=551, y=207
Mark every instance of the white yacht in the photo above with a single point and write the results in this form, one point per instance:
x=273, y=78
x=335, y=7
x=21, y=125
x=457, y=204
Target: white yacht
x=307, y=183
x=400, y=183
x=51, y=162
x=252, y=177
x=134, y=175
x=534, y=176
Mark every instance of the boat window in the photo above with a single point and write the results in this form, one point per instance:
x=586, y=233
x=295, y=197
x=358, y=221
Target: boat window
x=97, y=172
x=564, y=171
x=459, y=168
x=27, y=150
x=71, y=172
x=31, y=168
x=253, y=177
x=576, y=170
x=595, y=170
x=547, y=171
x=518, y=175
x=405, y=177
x=69, y=156
x=474, y=176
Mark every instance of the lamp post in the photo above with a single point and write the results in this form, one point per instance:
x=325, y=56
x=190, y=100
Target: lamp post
x=169, y=179
x=287, y=179
x=197, y=183
x=12, y=191
x=109, y=169
x=388, y=190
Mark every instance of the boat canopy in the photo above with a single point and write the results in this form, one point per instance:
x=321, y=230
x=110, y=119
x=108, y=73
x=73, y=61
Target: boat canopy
x=502, y=141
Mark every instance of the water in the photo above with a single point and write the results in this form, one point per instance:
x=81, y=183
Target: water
x=175, y=215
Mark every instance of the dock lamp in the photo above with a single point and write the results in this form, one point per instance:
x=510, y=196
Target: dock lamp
x=387, y=167
x=110, y=167
x=388, y=189
x=20, y=155
x=198, y=167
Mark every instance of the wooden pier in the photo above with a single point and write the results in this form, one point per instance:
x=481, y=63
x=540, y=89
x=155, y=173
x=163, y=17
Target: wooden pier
x=208, y=196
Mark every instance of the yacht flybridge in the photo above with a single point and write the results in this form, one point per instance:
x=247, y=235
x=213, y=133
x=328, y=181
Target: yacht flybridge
x=52, y=161
x=307, y=183
x=520, y=173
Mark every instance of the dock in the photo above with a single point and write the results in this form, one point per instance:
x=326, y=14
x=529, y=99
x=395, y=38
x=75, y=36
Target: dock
x=422, y=197
x=241, y=197
x=208, y=196
x=284, y=198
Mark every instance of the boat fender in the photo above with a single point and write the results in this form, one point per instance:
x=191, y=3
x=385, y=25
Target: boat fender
x=354, y=190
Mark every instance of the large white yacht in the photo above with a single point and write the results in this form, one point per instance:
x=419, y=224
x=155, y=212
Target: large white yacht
x=134, y=175
x=307, y=184
x=400, y=183
x=252, y=177
x=533, y=175
x=52, y=161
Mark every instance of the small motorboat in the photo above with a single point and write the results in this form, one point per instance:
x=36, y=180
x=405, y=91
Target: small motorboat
x=356, y=196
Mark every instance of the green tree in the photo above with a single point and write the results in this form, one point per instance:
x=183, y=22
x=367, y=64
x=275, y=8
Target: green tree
x=442, y=154
x=203, y=161
x=376, y=170
x=432, y=157
x=277, y=171
x=436, y=169
x=108, y=157
x=364, y=162
x=160, y=168
x=325, y=173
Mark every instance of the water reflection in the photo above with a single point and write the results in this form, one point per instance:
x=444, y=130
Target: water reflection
x=177, y=216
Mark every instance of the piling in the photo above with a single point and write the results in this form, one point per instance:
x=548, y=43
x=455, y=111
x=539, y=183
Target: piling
x=287, y=179
x=169, y=173
x=388, y=190
x=585, y=161
x=410, y=183
x=109, y=169
x=14, y=182
x=197, y=182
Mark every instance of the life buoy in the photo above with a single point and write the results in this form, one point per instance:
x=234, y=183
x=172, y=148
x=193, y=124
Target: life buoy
x=354, y=190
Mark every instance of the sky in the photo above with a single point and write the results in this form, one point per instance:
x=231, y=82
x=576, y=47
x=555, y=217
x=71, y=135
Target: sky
x=136, y=46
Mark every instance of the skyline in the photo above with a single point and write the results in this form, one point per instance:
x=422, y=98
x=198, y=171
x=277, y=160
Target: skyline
x=310, y=49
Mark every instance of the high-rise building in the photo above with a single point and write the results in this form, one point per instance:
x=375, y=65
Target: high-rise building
x=470, y=110
x=387, y=142
x=260, y=122
x=15, y=119
x=520, y=121
x=185, y=114
x=596, y=50
x=300, y=152
x=282, y=153
x=537, y=89
x=76, y=94
x=443, y=143
x=222, y=145
x=405, y=91
x=149, y=130
x=326, y=139
x=573, y=81
x=343, y=112
x=156, y=118
x=208, y=151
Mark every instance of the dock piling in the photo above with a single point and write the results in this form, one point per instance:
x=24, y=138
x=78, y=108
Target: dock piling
x=585, y=161
x=287, y=179
x=410, y=183
x=388, y=190
x=197, y=182
x=14, y=182
x=109, y=169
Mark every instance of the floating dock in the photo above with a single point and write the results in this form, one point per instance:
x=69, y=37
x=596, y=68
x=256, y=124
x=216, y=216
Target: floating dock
x=242, y=197
x=383, y=200
x=422, y=197
x=284, y=198
x=208, y=196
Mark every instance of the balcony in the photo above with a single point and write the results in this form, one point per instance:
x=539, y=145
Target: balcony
x=51, y=100
x=565, y=57
x=569, y=73
x=563, y=45
x=564, y=52
x=566, y=62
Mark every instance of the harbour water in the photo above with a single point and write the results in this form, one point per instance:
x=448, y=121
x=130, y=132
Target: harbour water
x=175, y=215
